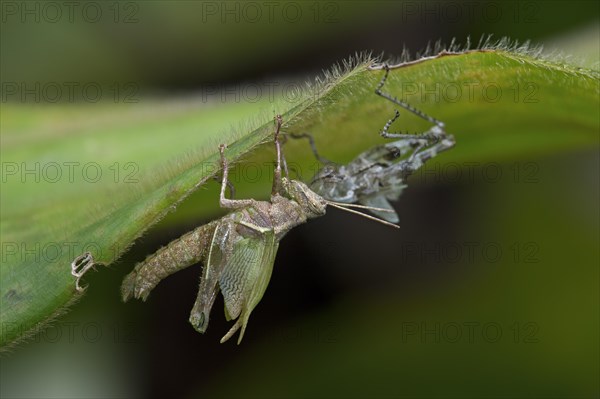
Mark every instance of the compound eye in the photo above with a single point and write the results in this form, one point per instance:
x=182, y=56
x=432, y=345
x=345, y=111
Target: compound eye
x=331, y=172
x=324, y=173
x=327, y=170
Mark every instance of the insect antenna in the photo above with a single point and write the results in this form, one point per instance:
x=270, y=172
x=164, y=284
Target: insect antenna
x=372, y=208
x=346, y=207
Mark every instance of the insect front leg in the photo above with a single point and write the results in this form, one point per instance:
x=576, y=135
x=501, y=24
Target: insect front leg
x=432, y=134
x=229, y=185
x=425, y=155
x=436, y=137
x=403, y=104
x=224, y=202
x=313, y=146
x=277, y=185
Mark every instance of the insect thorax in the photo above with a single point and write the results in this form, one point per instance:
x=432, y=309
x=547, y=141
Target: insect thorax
x=311, y=204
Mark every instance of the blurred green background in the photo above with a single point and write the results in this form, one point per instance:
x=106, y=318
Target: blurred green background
x=489, y=289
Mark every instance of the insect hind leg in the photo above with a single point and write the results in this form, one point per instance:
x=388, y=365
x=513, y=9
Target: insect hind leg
x=220, y=249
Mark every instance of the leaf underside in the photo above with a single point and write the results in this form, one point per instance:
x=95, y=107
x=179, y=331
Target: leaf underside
x=499, y=104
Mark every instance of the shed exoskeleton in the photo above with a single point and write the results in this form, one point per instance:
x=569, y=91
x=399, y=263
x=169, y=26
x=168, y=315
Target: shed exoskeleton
x=379, y=175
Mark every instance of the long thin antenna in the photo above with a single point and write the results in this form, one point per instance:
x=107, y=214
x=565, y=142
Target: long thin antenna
x=362, y=214
x=372, y=208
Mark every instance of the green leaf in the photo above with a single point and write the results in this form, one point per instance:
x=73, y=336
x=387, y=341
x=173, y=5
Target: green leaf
x=499, y=104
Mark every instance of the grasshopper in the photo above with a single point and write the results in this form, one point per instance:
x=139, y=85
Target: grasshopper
x=379, y=174
x=238, y=250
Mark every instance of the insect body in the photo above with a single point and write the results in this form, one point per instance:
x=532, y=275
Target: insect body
x=237, y=250
x=379, y=175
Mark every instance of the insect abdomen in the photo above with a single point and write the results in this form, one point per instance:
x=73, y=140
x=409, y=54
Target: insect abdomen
x=178, y=254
